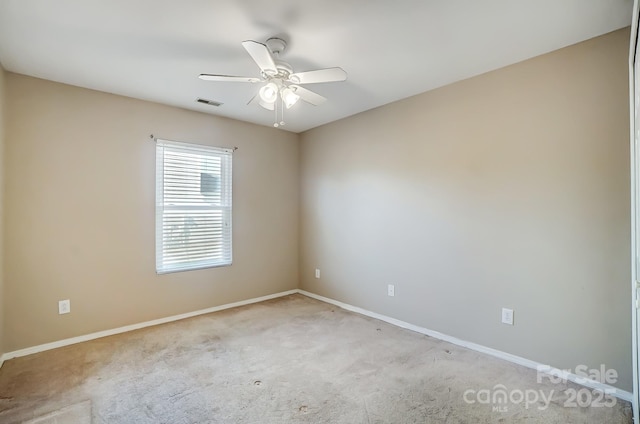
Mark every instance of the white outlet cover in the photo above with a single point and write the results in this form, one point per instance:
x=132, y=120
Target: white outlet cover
x=317, y=273
x=391, y=290
x=64, y=306
x=507, y=316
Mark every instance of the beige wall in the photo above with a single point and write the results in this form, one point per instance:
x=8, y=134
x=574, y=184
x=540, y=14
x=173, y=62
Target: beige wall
x=2, y=133
x=80, y=193
x=505, y=190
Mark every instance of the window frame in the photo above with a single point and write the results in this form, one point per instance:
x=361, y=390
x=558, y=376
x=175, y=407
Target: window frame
x=224, y=206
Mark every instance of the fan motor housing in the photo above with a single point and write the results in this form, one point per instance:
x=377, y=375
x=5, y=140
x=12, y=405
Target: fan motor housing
x=283, y=67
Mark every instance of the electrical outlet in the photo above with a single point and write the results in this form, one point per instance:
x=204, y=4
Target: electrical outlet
x=507, y=316
x=317, y=272
x=64, y=307
x=391, y=290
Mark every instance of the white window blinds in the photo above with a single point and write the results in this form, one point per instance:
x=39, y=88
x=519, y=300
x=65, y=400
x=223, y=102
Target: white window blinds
x=193, y=206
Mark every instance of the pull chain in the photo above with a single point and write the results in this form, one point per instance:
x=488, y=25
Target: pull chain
x=277, y=123
x=275, y=109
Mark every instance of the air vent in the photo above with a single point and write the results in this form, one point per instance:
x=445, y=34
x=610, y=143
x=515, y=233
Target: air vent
x=208, y=102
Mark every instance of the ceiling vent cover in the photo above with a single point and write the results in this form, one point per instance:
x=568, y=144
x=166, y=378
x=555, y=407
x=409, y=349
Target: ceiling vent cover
x=208, y=102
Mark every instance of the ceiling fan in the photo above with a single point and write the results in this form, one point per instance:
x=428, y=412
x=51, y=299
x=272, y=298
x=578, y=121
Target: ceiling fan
x=282, y=88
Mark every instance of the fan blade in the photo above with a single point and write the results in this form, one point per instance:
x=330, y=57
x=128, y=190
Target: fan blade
x=308, y=95
x=227, y=78
x=261, y=55
x=321, y=75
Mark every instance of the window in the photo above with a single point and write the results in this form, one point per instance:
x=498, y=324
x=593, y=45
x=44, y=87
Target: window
x=193, y=206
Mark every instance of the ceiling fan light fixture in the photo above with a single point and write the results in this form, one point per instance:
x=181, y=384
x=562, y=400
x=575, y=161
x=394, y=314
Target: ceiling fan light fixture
x=265, y=105
x=289, y=97
x=269, y=93
x=281, y=89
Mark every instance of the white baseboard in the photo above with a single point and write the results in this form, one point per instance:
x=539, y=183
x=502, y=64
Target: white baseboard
x=105, y=333
x=620, y=394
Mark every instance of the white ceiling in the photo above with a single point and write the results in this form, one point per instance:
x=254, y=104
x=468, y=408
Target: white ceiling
x=155, y=49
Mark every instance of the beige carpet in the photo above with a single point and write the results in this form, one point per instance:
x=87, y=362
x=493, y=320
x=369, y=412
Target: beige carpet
x=80, y=413
x=292, y=359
